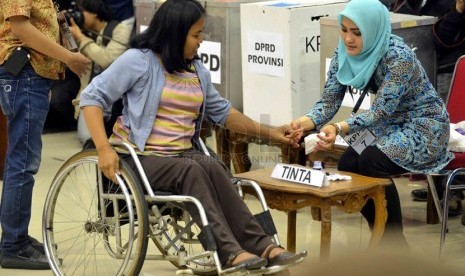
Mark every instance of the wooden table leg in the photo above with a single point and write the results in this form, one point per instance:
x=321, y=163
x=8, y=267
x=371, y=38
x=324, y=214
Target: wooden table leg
x=291, y=230
x=380, y=216
x=431, y=213
x=325, y=230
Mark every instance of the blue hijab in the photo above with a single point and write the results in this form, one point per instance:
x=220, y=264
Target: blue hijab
x=372, y=18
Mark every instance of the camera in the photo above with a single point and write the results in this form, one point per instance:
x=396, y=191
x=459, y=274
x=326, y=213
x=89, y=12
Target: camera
x=74, y=13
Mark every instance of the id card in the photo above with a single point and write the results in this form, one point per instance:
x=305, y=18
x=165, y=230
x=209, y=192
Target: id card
x=360, y=140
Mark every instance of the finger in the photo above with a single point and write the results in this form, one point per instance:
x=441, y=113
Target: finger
x=117, y=169
x=296, y=126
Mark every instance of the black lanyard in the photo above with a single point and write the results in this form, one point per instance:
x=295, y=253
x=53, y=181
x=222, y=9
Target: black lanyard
x=360, y=100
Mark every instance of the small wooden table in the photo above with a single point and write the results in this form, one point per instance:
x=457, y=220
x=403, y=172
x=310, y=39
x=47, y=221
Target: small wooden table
x=350, y=196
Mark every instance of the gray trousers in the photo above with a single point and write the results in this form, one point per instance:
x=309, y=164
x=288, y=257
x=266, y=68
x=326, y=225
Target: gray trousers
x=195, y=174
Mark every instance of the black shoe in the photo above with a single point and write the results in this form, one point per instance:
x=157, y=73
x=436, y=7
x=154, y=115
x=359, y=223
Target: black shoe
x=37, y=245
x=30, y=258
x=419, y=194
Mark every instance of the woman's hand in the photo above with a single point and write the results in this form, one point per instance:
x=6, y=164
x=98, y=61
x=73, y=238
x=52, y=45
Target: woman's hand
x=297, y=129
x=302, y=124
x=288, y=135
x=108, y=162
x=327, y=140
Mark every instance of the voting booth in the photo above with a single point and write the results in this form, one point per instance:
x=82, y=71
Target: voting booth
x=221, y=47
x=281, y=57
x=416, y=32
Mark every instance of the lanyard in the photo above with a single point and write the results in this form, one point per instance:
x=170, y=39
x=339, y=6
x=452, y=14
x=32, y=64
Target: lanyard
x=360, y=100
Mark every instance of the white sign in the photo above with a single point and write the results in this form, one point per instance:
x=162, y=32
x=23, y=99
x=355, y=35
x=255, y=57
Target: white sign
x=265, y=53
x=350, y=100
x=298, y=174
x=210, y=54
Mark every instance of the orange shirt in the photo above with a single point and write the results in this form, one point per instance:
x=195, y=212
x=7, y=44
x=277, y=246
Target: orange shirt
x=42, y=15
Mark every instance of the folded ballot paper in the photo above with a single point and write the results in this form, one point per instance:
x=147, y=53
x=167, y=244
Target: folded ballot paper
x=310, y=142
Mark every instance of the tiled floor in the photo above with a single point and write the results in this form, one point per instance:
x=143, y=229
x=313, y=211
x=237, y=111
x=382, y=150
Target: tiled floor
x=350, y=233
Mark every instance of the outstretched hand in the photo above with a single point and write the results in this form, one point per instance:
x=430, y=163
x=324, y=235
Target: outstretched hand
x=298, y=129
x=289, y=135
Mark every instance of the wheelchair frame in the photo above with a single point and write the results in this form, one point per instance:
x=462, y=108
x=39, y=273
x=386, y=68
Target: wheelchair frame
x=112, y=228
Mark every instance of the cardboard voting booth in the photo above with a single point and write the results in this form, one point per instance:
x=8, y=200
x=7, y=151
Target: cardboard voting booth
x=281, y=57
x=220, y=50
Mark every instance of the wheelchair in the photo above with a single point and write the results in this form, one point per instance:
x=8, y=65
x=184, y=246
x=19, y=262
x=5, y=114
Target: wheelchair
x=92, y=226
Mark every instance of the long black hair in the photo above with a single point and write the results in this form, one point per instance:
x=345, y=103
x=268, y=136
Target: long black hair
x=167, y=32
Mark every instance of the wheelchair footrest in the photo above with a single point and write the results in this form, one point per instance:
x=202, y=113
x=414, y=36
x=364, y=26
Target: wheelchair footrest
x=277, y=268
x=236, y=271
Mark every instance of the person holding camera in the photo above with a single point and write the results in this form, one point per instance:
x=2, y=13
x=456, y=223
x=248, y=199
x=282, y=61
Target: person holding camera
x=102, y=40
x=30, y=58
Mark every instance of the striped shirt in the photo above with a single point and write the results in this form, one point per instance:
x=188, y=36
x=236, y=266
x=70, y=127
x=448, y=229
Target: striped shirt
x=174, y=124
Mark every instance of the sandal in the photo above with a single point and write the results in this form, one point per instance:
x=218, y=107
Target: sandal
x=255, y=262
x=283, y=258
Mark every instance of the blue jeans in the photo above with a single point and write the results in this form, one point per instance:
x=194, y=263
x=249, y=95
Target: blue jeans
x=24, y=100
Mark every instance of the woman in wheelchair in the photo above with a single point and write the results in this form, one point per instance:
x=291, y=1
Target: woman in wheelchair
x=167, y=92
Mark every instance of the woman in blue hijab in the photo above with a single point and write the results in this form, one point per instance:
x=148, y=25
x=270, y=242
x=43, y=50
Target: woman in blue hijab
x=406, y=128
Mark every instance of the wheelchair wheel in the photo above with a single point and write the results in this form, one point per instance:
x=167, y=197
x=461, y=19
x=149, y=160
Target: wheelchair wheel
x=178, y=234
x=92, y=226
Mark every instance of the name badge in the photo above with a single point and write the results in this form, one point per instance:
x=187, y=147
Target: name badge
x=360, y=140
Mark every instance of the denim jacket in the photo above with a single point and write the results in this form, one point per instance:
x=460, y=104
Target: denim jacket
x=138, y=77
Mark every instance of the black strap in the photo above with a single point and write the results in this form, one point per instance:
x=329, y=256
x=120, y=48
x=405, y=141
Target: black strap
x=108, y=32
x=360, y=100
x=370, y=86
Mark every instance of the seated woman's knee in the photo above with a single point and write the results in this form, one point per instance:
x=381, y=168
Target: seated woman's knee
x=371, y=162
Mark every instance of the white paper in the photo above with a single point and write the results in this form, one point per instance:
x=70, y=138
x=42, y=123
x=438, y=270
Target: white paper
x=311, y=141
